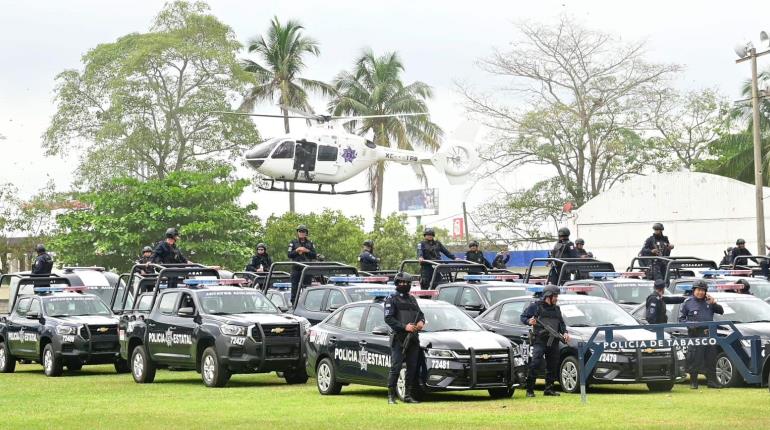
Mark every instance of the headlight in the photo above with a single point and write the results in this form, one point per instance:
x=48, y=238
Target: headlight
x=233, y=330
x=440, y=353
x=66, y=329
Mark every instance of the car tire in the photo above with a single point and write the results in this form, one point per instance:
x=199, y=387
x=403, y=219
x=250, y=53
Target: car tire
x=52, y=365
x=213, y=373
x=726, y=373
x=7, y=361
x=326, y=378
x=296, y=376
x=417, y=392
x=501, y=393
x=142, y=367
x=569, y=379
x=74, y=366
x=121, y=366
x=660, y=386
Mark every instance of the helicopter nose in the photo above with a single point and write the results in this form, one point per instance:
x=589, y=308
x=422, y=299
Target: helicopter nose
x=251, y=158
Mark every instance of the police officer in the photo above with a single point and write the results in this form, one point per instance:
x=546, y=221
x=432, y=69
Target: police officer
x=366, y=259
x=698, y=308
x=166, y=251
x=580, y=249
x=430, y=249
x=301, y=250
x=261, y=261
x=737, y=252
x=501, y=260
x=563, y=248
x=656, y=302
x=406, y=320
x=657, y=245
x=544, y=312
x=43, y=262
x=146, y=256
x=474, y=255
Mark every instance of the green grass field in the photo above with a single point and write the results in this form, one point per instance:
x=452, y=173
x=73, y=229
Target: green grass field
x=97, y=398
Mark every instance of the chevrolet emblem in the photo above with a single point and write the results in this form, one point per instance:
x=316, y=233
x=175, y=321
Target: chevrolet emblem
x=484, y=356
x=103, y=329
x=278, y=330
x=649, y=351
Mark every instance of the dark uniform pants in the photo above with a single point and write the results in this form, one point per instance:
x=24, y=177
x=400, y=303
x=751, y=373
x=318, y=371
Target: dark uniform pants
x=426, y=273
x=295, y=281
x=551, y=353
x=701, y=359
x=397, y=359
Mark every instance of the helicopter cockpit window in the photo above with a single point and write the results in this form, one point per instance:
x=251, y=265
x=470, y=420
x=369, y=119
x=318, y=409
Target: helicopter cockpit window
x=370, y=144
x=264, y=149
x=327, y=153
x=286, y=150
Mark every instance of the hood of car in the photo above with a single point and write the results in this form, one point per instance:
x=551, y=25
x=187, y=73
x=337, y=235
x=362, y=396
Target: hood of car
x=89, y=320
x=761, y=329
x=249, y=319
x=584, y=333
x=463, y=340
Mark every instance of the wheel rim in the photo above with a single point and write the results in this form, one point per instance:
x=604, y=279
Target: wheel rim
x=569, y=376
x=2, y=358
x=48, y=360
x=401, y=383
x=208, y=368
x=138, y=365
x=324, y=377
x=724, y=370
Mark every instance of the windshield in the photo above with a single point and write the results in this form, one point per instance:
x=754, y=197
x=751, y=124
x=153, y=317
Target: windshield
x=495, y=294
x=595, y=314
x=744, y=310
x=236, y=302
x=447, y=318
x=263, y=149
x=104, y=293
x=75, y=306
x=629, y=293
x=759, y=288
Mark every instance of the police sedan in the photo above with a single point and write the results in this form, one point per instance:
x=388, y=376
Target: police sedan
x=316, y=302
x=477, y=293
x=658, y=368
x=352, y=345
x=627, y=289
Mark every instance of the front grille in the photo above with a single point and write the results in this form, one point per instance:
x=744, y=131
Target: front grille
x=84, y=332
x=492, y=356
x=103, y=330
x=281, y=330
x=281, y=351
x=256, y=334
x=67, y=347
x=104, y=346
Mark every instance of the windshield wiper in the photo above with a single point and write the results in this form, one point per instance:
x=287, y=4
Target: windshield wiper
x=450, y=329
x=760, y=321
x=580, y=325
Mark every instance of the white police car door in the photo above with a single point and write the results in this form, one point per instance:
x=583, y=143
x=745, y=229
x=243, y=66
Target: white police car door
x=349, y=347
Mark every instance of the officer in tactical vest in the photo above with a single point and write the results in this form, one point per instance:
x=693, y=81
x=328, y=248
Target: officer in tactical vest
x=656, y=302
x=166, y=251
x=301, y=250
x=563, y=248
x=738, y=252
x=430, y=249
x=406, y=320
x=656, y=245
x=367, y=260
x=476, y=256
x=548, y=329
x=261, y=261
x=146, y=256
x=43, y=262
x=698, y=308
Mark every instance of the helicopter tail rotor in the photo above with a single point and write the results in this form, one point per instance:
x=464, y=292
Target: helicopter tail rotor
x=456, y=160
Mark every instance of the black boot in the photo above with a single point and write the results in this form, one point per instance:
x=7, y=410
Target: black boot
x=392, y=395
x=530, y=393
x=694, y=381
x=408, y=396
x=711, y=381
x=550, y=391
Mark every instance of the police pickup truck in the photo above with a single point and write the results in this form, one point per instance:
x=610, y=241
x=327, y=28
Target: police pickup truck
x=352, y=346
x=58, y=325
x=627, y=289
x=215, y=328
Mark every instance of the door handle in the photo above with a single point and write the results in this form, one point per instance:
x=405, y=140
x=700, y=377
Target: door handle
x=151, y=325
x=362, y=342
x=333, y=339
x=172, y=328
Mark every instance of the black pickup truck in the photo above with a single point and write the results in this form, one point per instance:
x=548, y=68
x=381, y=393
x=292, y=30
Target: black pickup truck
x=57, y=325
x=214, y=327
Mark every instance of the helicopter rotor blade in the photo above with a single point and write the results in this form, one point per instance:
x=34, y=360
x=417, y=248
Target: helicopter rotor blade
x=392, y=115
x=263, y=115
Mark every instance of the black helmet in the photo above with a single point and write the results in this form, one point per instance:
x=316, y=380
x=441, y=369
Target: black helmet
x=428, y=232
x=473, y=243
x=740, y=242
x=262, y=245
x=550, y=290
x=369, y=243
x=146, y=249
x=402, y=277
x=302, y=227
x=700, y=283
x=40, y=248
x=564, y=231
x=657, y=226
x=660, y=284
x=172, y=232
x=580, y=242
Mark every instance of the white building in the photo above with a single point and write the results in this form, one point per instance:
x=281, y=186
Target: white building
x=702, y=214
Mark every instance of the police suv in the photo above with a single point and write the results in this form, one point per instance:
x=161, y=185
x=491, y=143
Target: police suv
x=215, y=329
x=317, y=301
x=476, y=293
x=352, y=346
x=58, y=326
x=627, y=289
x=658, y=368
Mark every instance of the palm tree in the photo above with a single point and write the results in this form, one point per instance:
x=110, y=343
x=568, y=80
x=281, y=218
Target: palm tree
x=374, y=87
x=278, y=79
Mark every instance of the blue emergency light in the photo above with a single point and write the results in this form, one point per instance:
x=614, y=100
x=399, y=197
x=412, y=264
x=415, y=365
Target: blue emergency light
x=726, y=273
x=50, y=290
x=536, y=289
x=282, y=286
x=235, y=281
x=490, y=277
x=605, y=275
x=349, y=279
x=380, y=293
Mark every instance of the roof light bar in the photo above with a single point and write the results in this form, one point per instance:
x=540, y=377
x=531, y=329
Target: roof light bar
x=380, y=293
x=361, y=279
x=281, y=286
x=578, y=288
x=235, y=281
x=490, y=277
x=49, y=290
x=727, y=273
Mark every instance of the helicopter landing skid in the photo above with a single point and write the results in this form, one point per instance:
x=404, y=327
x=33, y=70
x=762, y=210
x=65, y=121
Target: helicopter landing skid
x=269, y=185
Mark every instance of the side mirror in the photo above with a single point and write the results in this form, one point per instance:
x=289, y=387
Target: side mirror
x=33, y=315
x=477, y=308
x=186, y=312
x=382, y=330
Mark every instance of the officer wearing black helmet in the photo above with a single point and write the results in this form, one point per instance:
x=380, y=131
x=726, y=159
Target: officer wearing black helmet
x=698, y=308
x=366, y=259
x=580, y=249
x=656, y=302
x=406, y=320
x=261, y=261
x=738, y=251
x=301, y=250
x=656, y=245
x=430, y=249
x=166, y=251
x=474, y=255
x=146, y=256
x=541, y=314
x=43, y=262
x=563, y=248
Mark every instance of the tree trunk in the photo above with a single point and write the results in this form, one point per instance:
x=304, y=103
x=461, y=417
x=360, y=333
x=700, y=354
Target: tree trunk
x=291, y=184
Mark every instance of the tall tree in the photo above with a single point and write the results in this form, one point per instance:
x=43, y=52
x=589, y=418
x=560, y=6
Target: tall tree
x=282, y=54
x=375, y=87
x=142, y=105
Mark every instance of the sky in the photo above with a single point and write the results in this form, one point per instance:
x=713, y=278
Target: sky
x=438, y=41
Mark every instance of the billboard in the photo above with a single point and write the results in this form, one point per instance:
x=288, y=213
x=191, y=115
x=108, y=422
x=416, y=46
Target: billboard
x=418, y=202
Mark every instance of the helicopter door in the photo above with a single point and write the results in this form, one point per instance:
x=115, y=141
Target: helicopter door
x=304, y=159
x=327, y=160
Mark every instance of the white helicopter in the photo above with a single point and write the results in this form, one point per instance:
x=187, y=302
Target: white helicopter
x=326, y=154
